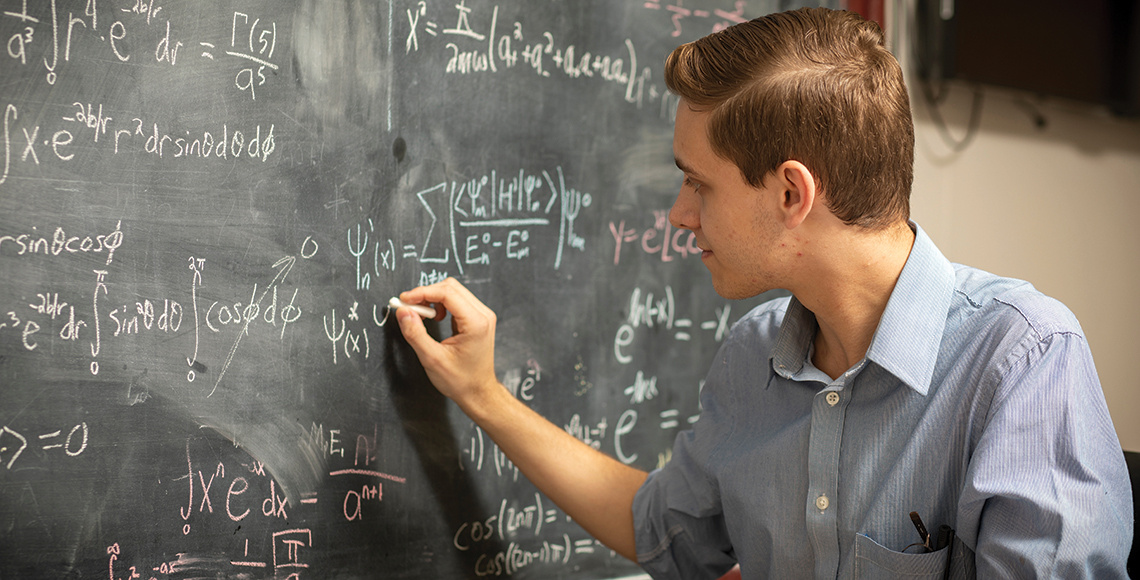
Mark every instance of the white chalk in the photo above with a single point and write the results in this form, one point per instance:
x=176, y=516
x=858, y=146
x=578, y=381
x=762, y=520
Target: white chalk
x=420, y=309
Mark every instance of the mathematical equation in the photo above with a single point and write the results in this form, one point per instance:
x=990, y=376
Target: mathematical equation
x=219, y=491
x=477, y=221
x=97, y=286
x=22, y=143
x=489, y=45
x=469, y=51
x=110, y=320
x=286, y=559
x=647, y=310
x=661, y=240
x=510, y=523
x=87, y=127
x=13, y=443
x=252, y=41
x=472, y=222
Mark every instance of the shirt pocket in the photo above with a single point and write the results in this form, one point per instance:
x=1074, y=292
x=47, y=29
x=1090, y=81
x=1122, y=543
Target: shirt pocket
x=873, y=561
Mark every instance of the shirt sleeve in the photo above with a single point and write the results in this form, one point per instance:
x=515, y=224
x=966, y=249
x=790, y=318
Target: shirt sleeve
x=1047, y=484
x=679, y=522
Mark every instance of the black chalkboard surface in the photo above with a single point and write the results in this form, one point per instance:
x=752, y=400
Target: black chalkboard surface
x=204, y=208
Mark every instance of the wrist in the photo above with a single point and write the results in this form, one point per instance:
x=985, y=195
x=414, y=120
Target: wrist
x=485, y=402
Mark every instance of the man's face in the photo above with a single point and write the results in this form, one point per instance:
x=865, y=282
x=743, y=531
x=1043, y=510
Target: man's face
x=735, y=224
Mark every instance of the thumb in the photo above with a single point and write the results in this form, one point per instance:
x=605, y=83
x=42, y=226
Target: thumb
x=412, y=327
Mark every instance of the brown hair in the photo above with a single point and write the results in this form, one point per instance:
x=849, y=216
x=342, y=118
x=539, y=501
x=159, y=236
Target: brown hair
x=814, y=85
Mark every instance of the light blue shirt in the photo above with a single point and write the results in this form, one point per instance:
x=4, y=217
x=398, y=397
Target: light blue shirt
x=977, y=406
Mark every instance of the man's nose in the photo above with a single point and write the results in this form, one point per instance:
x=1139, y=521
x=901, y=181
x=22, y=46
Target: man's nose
x=683, y=214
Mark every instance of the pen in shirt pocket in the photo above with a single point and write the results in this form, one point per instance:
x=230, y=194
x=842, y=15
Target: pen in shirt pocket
x=944, y=539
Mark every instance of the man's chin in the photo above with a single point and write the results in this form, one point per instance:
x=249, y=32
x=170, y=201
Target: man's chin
x=728, y=291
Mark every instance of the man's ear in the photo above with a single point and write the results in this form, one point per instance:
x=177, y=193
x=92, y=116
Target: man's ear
x=798, y=194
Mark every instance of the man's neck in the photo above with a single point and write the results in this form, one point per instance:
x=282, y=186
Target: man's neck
x=859, y=274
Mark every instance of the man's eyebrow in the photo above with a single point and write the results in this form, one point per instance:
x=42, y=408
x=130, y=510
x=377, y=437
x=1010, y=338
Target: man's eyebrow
x=684, y=167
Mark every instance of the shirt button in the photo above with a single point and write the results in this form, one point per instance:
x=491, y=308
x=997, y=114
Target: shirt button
x=822, y=502
x=833, y=398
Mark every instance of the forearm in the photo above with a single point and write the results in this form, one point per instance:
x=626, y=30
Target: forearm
x=594, y=489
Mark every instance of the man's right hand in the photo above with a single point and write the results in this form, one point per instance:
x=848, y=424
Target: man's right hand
x=462, y=366
x=595, y=489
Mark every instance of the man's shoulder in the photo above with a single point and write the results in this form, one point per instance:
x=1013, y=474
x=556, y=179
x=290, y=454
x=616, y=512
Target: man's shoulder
x=1009, y=304
x=759, y=327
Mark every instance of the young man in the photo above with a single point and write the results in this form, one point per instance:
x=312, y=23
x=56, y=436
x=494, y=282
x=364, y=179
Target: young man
x=891, y=382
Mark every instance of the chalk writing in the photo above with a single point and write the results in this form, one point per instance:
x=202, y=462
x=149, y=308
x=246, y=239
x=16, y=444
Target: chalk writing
x=678, y=13
x=470, y=51
x=22, y=143
x=661, y=240
x=256, y=47
x=643, y=389
x=220, y=488
x=513, y=519
x=59, y=142
x=520, y=385
x=365, y=459
x=249, y=314
x=648, y=310
x=350, y=333
x=13, y=443
x=255, y=143
x=509, y=521
x=192, y=197
x=515, y=558
x=672, y=419
x=286, y=556
x=591, y=435
x=197, y=265
x=469, y=216
x=625, y=425
x=96, y=345
x=475, y=449
x=252, y=41
x=35, y=244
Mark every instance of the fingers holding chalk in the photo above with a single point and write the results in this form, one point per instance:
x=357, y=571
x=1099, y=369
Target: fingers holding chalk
x=423, y=311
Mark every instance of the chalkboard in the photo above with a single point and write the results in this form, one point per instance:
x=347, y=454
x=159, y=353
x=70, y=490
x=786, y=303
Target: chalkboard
x=204, y=208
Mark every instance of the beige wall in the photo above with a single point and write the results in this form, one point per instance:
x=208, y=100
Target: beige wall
x=1057, y=206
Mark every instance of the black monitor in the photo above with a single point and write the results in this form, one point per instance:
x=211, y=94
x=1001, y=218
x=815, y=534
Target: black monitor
x=1087, y=50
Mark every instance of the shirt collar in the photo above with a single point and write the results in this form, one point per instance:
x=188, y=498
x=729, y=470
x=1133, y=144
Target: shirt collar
x=909, y=334
x=794, y=340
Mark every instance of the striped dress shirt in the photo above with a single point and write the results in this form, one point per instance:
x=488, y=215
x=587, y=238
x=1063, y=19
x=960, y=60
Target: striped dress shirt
x=977, y=407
